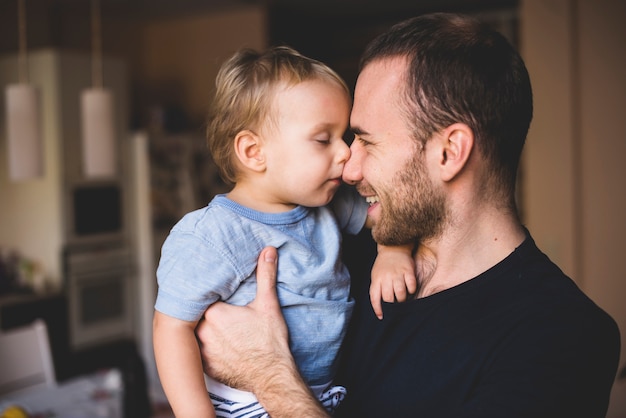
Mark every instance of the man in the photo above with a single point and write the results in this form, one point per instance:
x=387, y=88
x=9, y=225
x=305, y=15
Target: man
x=441, y=111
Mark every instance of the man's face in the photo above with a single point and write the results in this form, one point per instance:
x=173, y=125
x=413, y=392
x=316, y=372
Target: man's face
x=389, y=166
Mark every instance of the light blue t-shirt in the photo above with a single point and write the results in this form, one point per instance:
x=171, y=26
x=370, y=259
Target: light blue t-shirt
x=211, y=254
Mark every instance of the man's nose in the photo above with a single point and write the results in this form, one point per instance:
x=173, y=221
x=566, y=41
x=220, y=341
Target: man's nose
x=352, y=169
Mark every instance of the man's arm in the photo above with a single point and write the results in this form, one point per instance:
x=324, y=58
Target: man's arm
x=248, y=349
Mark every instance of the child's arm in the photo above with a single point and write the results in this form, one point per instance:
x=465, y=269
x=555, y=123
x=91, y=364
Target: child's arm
x=393, y=276
x=180, y=367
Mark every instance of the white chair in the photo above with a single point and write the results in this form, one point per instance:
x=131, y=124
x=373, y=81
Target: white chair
x=25, y=359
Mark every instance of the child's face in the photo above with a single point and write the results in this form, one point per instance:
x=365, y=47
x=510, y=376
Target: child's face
x=305, y=149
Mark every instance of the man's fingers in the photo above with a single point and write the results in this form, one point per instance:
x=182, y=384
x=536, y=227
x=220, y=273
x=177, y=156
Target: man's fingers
x=266, y=297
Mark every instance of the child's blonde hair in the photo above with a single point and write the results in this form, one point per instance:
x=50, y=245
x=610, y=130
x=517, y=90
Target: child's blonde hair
x=245, y=88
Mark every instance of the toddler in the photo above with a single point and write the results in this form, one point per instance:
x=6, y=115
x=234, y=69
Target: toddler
x=275, y=131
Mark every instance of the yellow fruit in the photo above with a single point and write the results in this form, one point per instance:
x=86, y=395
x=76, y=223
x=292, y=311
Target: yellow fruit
x=14, y=411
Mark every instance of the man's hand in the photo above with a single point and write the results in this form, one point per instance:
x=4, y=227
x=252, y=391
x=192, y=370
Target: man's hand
x=235, y=341
x=247, y=347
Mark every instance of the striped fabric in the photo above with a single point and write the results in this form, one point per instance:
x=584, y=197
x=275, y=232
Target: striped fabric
x=225, y=408
x=231, y=409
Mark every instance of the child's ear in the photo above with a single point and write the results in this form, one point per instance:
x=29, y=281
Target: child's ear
x=459, y=142
x=249, y=150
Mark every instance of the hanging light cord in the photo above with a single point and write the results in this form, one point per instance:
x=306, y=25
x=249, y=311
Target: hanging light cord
x=21, y=29
x=96, y=40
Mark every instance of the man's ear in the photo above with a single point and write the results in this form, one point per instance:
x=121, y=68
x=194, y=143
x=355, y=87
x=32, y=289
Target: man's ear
x=458, y=145
x=249, y=150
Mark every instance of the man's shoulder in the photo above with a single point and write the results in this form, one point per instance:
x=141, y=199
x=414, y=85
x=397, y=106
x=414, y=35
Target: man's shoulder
x=556, y=307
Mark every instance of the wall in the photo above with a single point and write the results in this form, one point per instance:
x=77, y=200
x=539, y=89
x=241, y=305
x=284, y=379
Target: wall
x=38, y=230
x=174, y=61
x=574, y=175
x=33, y=213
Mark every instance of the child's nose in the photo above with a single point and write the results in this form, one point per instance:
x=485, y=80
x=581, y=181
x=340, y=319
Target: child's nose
x=352, y=168
x=343, y=154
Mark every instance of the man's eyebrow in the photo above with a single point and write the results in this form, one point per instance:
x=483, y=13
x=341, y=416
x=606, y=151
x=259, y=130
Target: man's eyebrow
x=357, y=131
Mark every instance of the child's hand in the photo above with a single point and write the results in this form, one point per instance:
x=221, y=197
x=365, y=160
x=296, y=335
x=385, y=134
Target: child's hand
x=393, y=276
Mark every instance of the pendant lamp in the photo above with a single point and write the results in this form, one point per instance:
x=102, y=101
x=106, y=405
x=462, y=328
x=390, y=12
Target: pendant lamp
x=97, y=113
x=23, y=116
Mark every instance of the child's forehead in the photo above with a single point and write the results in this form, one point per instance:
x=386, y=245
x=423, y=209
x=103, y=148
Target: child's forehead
x=301, y=98
x=307, y=90
x=313, y=85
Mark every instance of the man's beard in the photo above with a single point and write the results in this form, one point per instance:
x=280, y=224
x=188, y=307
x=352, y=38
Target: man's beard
x=412, y=209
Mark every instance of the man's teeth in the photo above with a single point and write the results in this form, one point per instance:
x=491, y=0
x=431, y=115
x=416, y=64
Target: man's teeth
x=372, y=199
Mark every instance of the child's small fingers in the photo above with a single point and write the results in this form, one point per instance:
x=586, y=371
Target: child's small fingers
x=388, y=293
x=375, y=301
x=400, y=291
x=411, y=284
x=378, y=309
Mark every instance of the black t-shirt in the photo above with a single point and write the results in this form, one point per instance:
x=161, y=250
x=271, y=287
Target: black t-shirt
x=520, y=340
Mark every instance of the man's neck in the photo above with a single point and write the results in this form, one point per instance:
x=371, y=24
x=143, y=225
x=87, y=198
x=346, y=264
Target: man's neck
x=465, y=250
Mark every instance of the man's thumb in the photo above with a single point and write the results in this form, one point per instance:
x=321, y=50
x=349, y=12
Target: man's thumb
x=266, y=279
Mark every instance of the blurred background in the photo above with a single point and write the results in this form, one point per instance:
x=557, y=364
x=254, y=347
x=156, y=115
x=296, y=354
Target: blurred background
x=80, y=250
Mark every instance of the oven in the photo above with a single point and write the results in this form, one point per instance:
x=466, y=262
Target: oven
x=100, y=287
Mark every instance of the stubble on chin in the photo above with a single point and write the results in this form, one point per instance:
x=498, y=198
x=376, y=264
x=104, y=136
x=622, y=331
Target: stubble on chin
x=413, y=210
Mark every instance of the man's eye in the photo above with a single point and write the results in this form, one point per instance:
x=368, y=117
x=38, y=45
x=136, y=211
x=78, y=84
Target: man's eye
x=361, y=140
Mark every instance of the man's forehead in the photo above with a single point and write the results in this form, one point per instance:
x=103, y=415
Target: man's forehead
x=378, y=88
x=381, y=75
x=393, y=65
